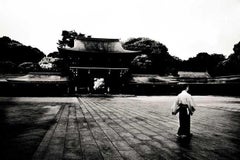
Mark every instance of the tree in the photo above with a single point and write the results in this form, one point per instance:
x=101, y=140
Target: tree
x=229, y=66
x=203, y=62
x=236, y=48
x=55, y=55
x=29, y=67
x=215, y=59
x=141, y=64
x=18, y=53
x=161, y=61
x=232, y=64
x=146, y=45
x=68, y=38
x=53, y=65
x=198, y=63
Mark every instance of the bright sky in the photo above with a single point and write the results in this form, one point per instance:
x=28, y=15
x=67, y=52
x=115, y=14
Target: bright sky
x=186, y=27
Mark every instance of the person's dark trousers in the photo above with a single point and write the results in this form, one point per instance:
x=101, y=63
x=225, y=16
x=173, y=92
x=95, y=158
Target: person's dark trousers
x=184, y=120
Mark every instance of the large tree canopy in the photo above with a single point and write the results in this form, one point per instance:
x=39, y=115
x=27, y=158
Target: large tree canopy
x=14, y=51
x=141, y=64
x=203, y=62
x=55, y=55
x=155, y=52
x=236, y=48
x=232, y=64
x=146, y=45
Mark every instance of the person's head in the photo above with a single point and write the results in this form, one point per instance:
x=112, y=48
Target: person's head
x=185, y=87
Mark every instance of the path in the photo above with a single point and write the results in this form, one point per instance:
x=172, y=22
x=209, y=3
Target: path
x=141, y=128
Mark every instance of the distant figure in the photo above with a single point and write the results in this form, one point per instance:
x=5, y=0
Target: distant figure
x=185, y=106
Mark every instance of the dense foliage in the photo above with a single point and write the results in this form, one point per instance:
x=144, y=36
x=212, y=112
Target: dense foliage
x=52, y=64
x=231, y=65
x=26, y=67
x=16, y=57
x=155, y=58
x=202, y=62
x=141, y=63
x=68, y=38
x=55, y=55
x=13, y=53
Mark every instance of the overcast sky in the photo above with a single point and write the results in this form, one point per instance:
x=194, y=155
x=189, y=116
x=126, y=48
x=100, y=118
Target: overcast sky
x=186, y=27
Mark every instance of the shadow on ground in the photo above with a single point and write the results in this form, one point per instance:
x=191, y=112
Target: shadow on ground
x=22, y=127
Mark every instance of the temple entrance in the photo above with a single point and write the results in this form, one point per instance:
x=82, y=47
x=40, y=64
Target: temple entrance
x=93, y=62
x=98, y=80
x=99, y=86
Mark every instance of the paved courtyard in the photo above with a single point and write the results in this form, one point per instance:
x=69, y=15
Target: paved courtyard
x=137, y=128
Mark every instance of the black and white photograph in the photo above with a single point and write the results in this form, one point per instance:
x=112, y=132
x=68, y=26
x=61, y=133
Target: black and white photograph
x=119, y=80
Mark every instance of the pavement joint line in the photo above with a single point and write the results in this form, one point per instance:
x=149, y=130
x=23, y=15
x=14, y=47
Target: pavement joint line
x=84, y=102
x=68, y=112
x=230, y=109
x=135, y=124
x=84, y=144
x=119, y=107
x=96, y=105
x=83, y=105
x=116, y=122
x=134, y=135
x=110, y=116
x=60, y=153
x=109, y=109
x=148, y=120
x=42, y=148
x=169, y=152
x=109, y=126
x=158, y=120
x=77, y=127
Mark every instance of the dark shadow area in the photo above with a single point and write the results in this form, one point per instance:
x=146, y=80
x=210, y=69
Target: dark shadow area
x=112, y=86
x=185, y=142
x=20, y=129
x=32, y=89
x=195, y=89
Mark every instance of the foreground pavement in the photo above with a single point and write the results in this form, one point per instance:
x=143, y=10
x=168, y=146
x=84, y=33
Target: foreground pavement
x=137, y=128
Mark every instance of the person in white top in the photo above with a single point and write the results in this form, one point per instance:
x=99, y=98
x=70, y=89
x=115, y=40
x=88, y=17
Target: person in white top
x=185, y=105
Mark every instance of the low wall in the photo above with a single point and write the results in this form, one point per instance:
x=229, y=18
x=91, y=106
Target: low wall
x=228, y=89
x=33, y=89
x=64, y=89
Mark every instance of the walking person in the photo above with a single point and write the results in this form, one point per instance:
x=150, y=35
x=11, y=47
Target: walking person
x=185, y=106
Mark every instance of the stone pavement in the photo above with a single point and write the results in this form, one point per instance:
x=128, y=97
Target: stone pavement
x=136, y=128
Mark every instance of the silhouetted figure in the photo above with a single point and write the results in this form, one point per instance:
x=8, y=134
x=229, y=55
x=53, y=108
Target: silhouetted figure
x=185, y=106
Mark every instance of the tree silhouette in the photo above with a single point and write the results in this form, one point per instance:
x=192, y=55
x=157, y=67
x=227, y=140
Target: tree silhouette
x=232, y=64
x=236, y=48
x=14, y=52
x=203, y=62
x=161, y=61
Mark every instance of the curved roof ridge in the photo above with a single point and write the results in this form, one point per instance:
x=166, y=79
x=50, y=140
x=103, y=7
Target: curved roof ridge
x=84, y=44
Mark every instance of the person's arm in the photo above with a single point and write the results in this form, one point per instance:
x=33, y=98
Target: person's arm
x=191, y=105
x=175, y=107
